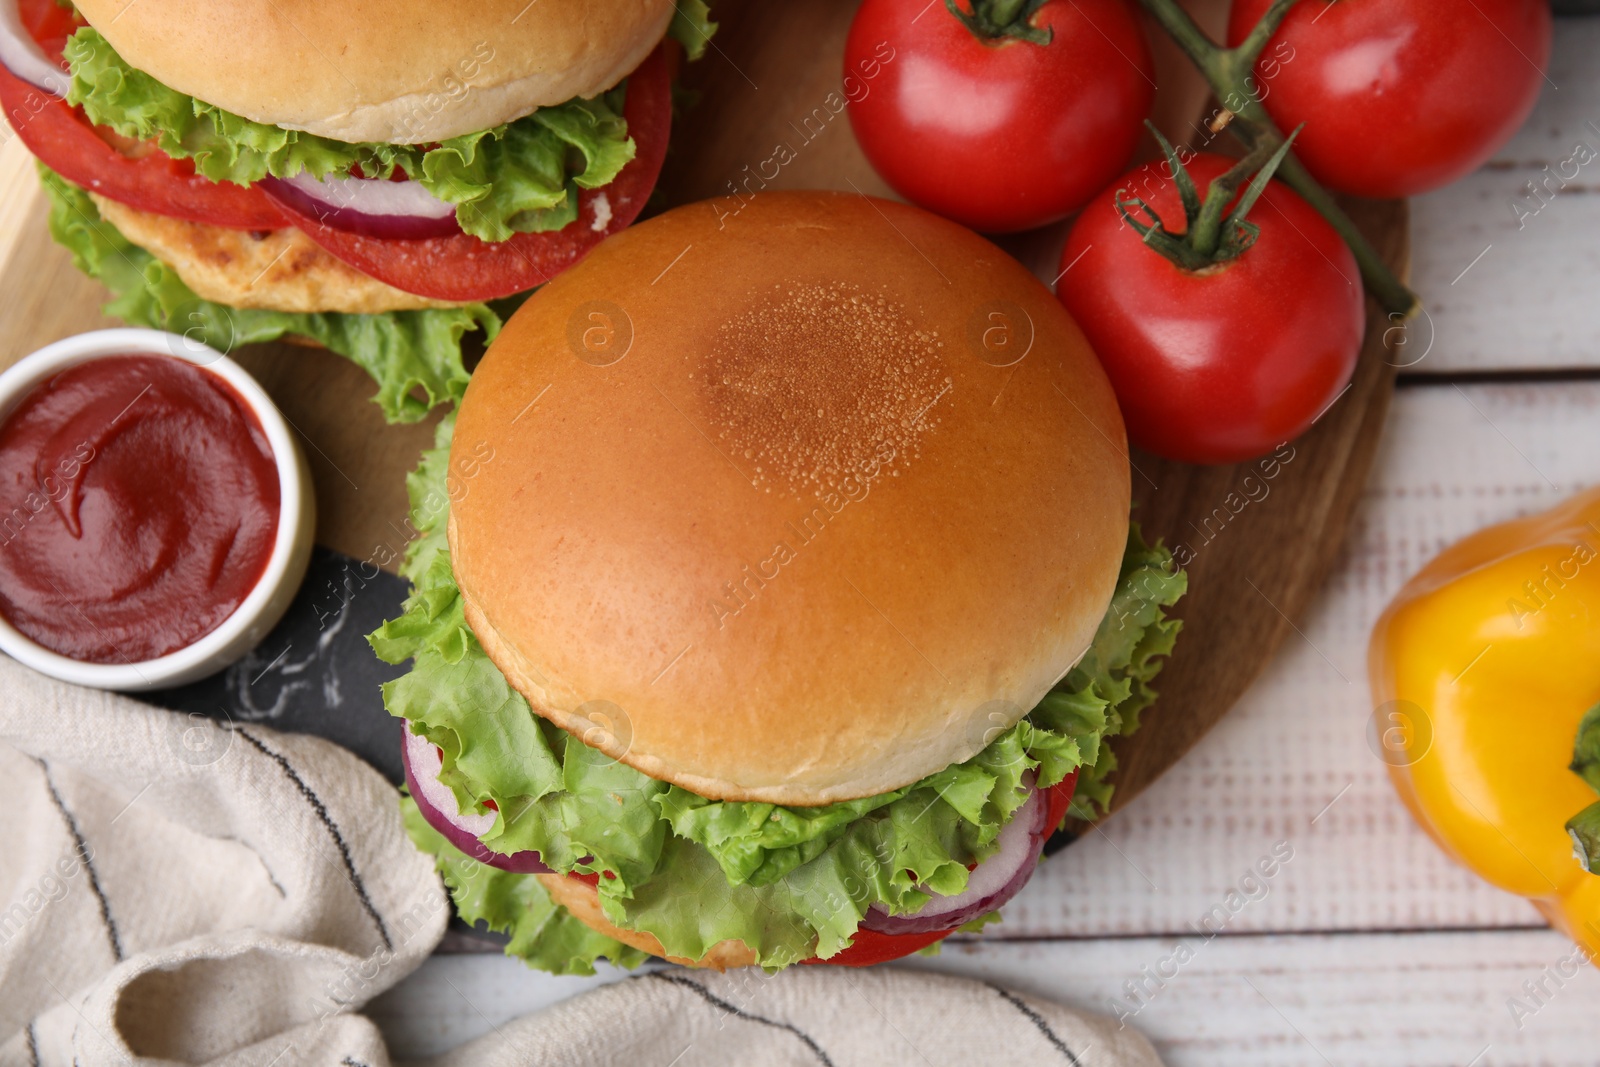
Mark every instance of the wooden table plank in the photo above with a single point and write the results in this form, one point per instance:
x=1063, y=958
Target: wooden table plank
x=1529, y=302
x=1453, y=459
x=1279, y=1001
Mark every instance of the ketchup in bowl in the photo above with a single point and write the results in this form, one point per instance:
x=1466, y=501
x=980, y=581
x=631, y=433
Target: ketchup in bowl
x=139, y=503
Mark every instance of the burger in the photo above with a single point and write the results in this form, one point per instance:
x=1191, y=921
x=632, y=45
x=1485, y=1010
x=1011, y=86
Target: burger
x=775, y=594
x=380, y=179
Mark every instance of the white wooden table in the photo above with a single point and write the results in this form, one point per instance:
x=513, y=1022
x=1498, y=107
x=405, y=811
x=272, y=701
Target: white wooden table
x=1370, y=947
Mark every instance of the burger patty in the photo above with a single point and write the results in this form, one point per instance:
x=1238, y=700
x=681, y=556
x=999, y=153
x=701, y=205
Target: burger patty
x=278, y=270
x=582, y=900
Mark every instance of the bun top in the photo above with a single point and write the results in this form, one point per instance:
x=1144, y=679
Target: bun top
x=396, y=71
x=795, y=502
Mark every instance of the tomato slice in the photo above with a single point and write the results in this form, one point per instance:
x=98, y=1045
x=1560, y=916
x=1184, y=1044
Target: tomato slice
x=462, y=267
x=868, y=947
x=1061, y=799
x=67, y=143
x=48, y=23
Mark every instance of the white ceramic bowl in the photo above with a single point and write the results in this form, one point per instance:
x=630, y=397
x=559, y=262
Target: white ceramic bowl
x=291, y=549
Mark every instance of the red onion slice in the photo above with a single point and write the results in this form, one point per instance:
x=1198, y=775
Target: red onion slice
x=990, y=884
x=438, y=806
x=374, y=207
x=24, y=58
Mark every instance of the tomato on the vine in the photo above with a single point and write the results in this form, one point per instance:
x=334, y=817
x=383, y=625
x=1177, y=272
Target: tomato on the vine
x=1224, y=363
x=1400, y=96
x=1000, y=133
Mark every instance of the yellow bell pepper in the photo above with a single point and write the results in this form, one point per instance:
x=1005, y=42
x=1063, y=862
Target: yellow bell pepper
x=1483, y=669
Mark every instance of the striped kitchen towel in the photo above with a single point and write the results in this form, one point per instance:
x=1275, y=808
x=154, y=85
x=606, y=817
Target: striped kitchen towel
x=173, y=890
x=805, y=1017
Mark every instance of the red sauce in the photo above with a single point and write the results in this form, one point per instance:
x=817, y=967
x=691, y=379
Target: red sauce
x=138, y=506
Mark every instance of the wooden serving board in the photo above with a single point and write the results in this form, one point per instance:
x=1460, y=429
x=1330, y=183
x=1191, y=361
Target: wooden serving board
x=1259, y=540
x=1261, y=547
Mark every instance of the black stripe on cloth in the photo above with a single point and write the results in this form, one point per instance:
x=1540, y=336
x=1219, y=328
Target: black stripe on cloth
x=333, y=830
x=739, y=1013
x=1038, y=1020
x=351, y=1061
x=81, y=850
x=33, y=1046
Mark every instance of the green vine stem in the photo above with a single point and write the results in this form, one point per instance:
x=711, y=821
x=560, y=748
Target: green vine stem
x=1208, y=237
x=1229, y=72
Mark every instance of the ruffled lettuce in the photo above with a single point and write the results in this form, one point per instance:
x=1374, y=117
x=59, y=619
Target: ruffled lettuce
x=692, y=26
x=789, y=882
x=407, y=352
x=542, y=932
x=522, y=176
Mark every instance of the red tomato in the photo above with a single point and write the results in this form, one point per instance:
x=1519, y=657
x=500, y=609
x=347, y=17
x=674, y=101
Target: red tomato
x=48, y=23
x=999, y=136
x=1061, y=799
x=462, y=267
x=868, y=947
x=65, y=142
x=1223, y=364
x=1400, y=96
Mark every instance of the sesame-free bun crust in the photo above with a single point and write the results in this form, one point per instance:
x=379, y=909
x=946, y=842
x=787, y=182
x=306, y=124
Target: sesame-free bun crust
x=818, y=532
x=398, y=71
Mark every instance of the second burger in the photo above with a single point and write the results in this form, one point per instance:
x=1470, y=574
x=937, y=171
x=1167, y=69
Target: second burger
x=376, y=178
x=775, y=594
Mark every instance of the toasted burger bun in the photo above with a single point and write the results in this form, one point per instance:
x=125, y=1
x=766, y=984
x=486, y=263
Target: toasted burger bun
x=583, y=901
x=401, y=71
x=280, y=270
x=852, y=499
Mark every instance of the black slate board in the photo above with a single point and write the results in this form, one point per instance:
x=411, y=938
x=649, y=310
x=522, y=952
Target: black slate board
x=314, y=673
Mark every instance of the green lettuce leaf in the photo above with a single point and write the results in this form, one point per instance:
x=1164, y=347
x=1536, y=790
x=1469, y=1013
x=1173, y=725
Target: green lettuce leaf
x=692, y=27
x=789, y=882
x=542, y=932
x=520, y=177
x=406, y=352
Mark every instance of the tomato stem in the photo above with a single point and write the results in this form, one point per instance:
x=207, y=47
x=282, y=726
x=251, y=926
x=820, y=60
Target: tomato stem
x=1231, y=74
x=1249, y=49
x=1209, y=237
x=995, y=20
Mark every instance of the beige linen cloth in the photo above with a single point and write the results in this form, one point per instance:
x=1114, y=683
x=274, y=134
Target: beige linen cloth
x=174, y=891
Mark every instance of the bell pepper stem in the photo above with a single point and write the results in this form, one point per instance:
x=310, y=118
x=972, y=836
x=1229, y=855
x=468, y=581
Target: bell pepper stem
x=1584, y=829
x=1586, y=749
x=1230, y=75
